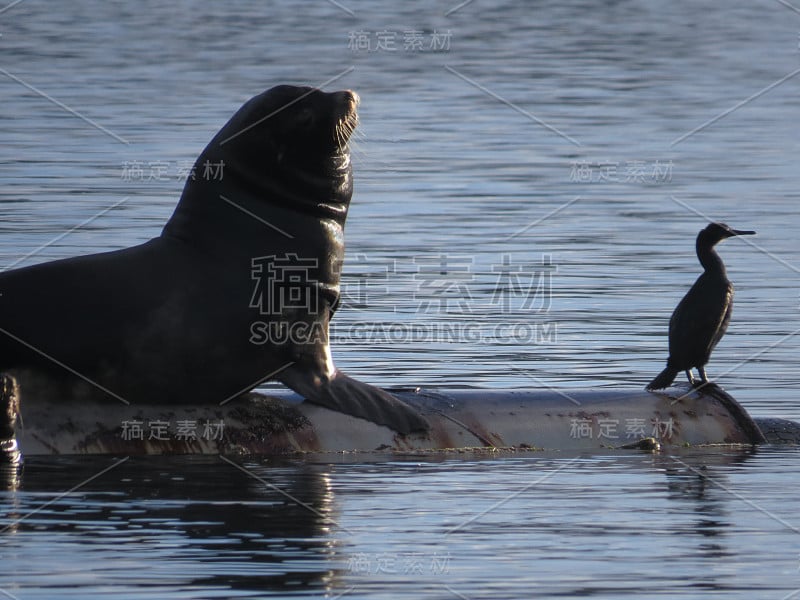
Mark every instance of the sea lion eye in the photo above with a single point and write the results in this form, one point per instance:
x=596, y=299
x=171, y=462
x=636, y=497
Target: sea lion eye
x=305, y=118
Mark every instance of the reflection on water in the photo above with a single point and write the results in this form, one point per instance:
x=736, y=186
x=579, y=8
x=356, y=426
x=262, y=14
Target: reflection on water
x=570, y=526
x=543, y=137
x=156, y=523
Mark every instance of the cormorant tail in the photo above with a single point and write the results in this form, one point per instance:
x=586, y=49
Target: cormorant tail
x=663, y=379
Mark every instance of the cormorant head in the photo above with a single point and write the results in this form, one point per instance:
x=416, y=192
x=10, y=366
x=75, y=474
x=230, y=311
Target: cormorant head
x=716, y=232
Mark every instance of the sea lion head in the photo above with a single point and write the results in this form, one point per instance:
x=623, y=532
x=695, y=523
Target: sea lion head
x=298, y=119
x=285, y=149
x=294, y=140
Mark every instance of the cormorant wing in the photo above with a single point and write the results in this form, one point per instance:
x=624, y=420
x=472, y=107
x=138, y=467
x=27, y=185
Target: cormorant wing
x=699, y=321
x=722, y=326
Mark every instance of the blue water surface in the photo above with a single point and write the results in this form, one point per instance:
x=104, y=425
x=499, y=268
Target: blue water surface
x=581, y=145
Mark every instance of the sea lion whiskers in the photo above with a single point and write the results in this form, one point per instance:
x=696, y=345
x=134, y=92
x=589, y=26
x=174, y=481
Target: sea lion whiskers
x=356, y=147
x=359, y=133
x=344, y=128
x=348, y=120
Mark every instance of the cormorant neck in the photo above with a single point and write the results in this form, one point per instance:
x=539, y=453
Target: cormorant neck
x=709, y=258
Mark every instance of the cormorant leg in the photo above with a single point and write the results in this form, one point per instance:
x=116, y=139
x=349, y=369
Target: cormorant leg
x=702, y=371
x=689, y=376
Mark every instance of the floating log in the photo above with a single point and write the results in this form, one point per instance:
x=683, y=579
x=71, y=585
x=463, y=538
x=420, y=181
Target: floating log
x=281, y=423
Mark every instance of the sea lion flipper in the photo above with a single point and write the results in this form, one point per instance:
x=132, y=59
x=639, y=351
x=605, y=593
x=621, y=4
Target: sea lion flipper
x=347, y=395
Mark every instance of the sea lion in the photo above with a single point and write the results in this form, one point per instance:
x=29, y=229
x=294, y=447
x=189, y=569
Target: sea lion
x=256, y=240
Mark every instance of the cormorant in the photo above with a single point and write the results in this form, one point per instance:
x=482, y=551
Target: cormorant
x=701, y=318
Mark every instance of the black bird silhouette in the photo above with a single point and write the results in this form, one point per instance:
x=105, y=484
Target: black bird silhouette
x=702, y=317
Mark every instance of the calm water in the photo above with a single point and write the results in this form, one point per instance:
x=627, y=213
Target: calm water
x=503, y=146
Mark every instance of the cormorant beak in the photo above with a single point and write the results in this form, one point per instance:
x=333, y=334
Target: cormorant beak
x=741, y=232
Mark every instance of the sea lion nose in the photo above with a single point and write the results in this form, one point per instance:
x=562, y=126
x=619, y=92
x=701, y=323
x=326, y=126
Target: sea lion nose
x=349, y=97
